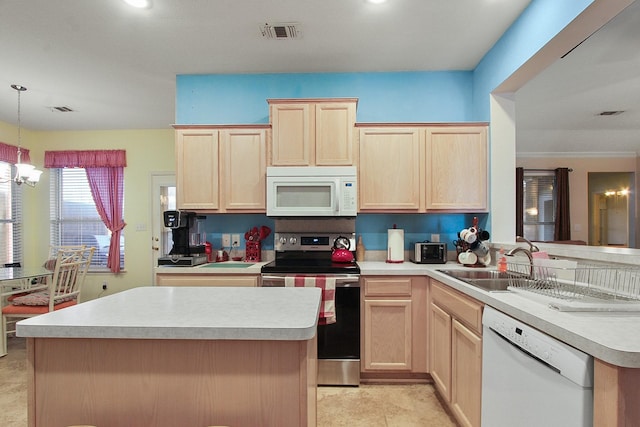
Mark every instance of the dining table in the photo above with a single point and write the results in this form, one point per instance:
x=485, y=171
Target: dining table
x=18, y=280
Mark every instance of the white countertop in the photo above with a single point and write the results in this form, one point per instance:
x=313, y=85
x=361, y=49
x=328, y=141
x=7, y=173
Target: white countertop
x=602, y=254
x=212, y=313
x=612, y=337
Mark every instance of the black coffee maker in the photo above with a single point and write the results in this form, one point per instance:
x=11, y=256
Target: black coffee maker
x=188, y=239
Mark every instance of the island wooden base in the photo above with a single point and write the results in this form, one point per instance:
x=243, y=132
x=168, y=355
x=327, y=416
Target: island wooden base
x=615, y=396
x=117, y=382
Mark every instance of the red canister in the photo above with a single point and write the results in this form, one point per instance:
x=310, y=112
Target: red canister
x=208, y=251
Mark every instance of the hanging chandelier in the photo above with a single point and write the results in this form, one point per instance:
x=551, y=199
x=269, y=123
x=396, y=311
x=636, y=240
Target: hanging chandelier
x=25, y=173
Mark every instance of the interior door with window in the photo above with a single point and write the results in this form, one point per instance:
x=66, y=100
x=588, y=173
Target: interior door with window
x=164, y=198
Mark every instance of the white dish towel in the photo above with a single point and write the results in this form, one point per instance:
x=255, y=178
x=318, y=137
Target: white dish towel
x=328, y=286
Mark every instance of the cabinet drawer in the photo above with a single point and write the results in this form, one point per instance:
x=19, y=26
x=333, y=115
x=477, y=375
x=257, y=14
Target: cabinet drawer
x=206, y=280
x=463, y=308
x=387, y=286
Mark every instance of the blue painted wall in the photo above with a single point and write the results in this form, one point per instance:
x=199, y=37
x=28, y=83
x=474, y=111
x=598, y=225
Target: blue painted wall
x=536, y=26
x=382, y=97
x=372, y=227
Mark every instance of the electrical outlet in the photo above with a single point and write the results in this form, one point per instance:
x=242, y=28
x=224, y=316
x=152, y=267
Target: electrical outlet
x=104, y=285
x=435, y=238
x=235, y=240
x=226, y=240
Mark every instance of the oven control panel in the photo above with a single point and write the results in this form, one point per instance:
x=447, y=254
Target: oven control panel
x=310, y=241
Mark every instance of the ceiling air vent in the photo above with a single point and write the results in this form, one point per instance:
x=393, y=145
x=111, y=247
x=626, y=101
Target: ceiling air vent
x=610, y=113
x=62, y=109
x=281, y=31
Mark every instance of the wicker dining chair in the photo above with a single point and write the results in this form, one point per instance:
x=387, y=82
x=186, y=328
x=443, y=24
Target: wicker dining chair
x=69, y=271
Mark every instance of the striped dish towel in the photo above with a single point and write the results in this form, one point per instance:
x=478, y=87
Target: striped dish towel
x=328, y=286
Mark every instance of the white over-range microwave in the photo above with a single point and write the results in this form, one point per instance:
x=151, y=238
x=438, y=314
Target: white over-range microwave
x=312, y=191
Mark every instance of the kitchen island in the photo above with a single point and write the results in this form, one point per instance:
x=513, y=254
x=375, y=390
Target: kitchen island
x=169, y=356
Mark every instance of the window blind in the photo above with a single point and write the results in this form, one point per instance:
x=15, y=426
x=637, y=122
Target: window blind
x=10, y=217
x=539, y=205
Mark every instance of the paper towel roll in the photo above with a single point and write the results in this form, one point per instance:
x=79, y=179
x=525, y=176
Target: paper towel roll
x=395, y=245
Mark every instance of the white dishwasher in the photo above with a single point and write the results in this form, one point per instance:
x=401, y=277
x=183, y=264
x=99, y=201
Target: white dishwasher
x=530, y=379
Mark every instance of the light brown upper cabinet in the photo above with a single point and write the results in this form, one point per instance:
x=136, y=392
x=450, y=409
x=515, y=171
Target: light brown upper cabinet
x=390, y=177
x=197, y=156
x=457, y=168
x=312, y=132
x=422, y=168
x=221, y=169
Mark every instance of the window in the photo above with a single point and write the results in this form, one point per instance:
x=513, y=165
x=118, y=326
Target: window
x=10, y=217
x=539, y=208
x=74, y=217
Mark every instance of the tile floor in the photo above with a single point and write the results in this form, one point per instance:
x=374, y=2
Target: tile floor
x=381, y=406
x=367, y=405
x=13, y=380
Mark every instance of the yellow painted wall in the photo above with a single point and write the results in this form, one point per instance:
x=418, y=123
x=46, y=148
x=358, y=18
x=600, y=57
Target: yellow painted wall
x=148, y=152
x=578, y=182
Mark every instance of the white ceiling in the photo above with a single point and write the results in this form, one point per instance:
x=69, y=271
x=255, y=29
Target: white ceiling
x=557, y=112
x=115, y=66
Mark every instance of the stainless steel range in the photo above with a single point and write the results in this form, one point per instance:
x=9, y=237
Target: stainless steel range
x=308, y=253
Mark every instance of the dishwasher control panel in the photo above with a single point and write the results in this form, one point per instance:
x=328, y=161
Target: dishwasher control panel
x=525, y=337
x=560, y=356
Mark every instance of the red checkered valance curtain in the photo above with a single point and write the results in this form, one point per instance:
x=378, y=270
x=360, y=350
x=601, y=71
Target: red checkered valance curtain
x=9, y=154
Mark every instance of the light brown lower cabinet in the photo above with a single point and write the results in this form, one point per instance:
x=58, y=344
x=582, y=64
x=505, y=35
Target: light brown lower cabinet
x=440, y=349
x=615, y=395
x=394, y=315
x=239, y=280
x=466, y=374
x=455, y=349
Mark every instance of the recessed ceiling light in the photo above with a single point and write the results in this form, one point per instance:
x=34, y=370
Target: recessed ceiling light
x=376, y=1
x=140, y=4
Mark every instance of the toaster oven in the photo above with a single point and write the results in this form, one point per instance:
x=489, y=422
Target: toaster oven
x=429, y=253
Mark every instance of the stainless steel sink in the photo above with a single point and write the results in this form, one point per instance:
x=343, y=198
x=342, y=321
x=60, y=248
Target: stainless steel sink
x=488, y=280
x=490, y=285
x=475, y=274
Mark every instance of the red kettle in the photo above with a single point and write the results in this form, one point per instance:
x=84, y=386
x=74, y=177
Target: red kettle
x=340, y=251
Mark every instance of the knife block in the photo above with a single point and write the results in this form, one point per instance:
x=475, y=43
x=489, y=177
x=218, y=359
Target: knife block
x=252, y=252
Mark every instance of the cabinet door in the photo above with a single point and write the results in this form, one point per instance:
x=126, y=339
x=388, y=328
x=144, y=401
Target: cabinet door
x=456, y=168
x=292, y=133
x=243, y=169
x=440, y=350
x=197, y=169
x=387, y=335
x=466, y=375
x=389, y=169
x=334, y=124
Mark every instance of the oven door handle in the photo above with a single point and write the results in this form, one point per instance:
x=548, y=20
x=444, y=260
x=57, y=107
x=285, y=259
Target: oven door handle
x=342, y=281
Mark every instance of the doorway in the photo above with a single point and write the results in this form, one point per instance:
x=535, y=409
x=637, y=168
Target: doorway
x=611, y=209
x=163, y=198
